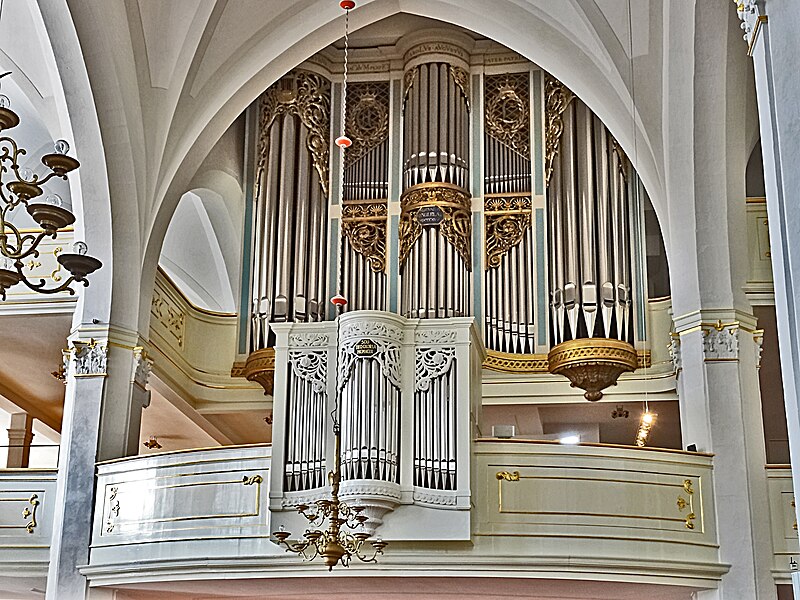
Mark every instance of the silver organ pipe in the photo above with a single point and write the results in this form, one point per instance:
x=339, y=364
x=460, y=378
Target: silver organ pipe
x=366, y=191
x=509, y=325
x=435, y=430
x=290, y=214
x=369, y=382
x=587, y=191
x=436, y=218
x=306, y=419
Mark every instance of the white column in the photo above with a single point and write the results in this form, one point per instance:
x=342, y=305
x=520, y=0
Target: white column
x=771, y=32
x=105, y=392
x=20, y=435
x=718, y=385
x=720, y=406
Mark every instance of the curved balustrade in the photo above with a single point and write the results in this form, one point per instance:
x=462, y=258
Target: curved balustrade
x=625, y=512
x=539, y=510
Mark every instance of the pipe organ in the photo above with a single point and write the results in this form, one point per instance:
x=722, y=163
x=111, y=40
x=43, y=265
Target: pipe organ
x=587, y=190
x=509, y=245
x=554, y=211
x=436, y=215
x=366, y=196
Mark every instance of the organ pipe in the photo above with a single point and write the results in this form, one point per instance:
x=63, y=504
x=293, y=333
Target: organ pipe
x=509, y=326
x=290, y=213
x=590, y=269
x=366, y=191
x=436, y=219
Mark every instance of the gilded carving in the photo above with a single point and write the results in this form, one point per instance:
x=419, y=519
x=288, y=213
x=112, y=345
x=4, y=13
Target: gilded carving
x=507, y=221
x=461, y=79
x=252, y=479
x=367, y=118
x=508, y=476
x=592, y=364
x=306, y=95
x=260, y=368
x=364, y=225
x=30, y=513
x=456, y=223
x=557, y=98
x=688, y=502
x=409, y=77
x=168, y=315
x=507, y=116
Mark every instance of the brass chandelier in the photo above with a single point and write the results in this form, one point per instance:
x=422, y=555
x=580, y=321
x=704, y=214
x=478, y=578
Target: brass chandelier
x=344, y=537
x=21, y=187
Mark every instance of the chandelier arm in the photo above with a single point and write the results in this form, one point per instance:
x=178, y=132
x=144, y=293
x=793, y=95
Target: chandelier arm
x=41, y=289
x=13, y=157
x=16, y=251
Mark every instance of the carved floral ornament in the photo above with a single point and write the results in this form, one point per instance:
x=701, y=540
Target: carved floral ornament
x=364, y=225
x=507, y=221
x=367, y=118
x=459, y=76
x=307, y=96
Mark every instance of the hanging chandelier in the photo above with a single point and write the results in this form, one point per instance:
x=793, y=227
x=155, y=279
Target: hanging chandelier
x=343, y=538
x=20, y=187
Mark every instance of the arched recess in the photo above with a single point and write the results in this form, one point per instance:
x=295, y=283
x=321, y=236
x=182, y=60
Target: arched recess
x=201, y=250
x=593, y=63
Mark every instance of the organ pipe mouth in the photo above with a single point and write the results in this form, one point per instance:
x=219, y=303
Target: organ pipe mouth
x=592, y=364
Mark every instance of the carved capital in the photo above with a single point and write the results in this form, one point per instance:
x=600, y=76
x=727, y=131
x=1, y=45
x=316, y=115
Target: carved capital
x=90, y=358
x=721, y=342
x=142, y=366
x=752, y=20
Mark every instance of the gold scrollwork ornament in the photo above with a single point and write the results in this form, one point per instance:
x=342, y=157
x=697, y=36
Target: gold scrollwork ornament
x=364, y=225
x=557, y=98
x=306, y=95
x=456, y=223
x=508, y=475
x=503, y=232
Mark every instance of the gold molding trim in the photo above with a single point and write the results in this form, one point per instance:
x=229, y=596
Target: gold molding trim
x=260, y=367
x=592, y=364
x=364, y=225
x=515, y=363
x=505, y=362
x=762, y=20
x=456, y=225
x=557, y=98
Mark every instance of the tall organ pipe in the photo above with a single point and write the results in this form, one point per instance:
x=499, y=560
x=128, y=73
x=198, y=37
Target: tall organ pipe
x=587, y=195
x=507, y=215
x=290, y=213
x=436, y=218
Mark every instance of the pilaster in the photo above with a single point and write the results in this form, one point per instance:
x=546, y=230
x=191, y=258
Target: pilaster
x=770, y=32
x=105, y=392
x=720, y=402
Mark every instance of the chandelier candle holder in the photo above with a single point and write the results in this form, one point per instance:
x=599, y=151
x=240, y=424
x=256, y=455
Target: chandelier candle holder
x=21, y=187
x=345, y=535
